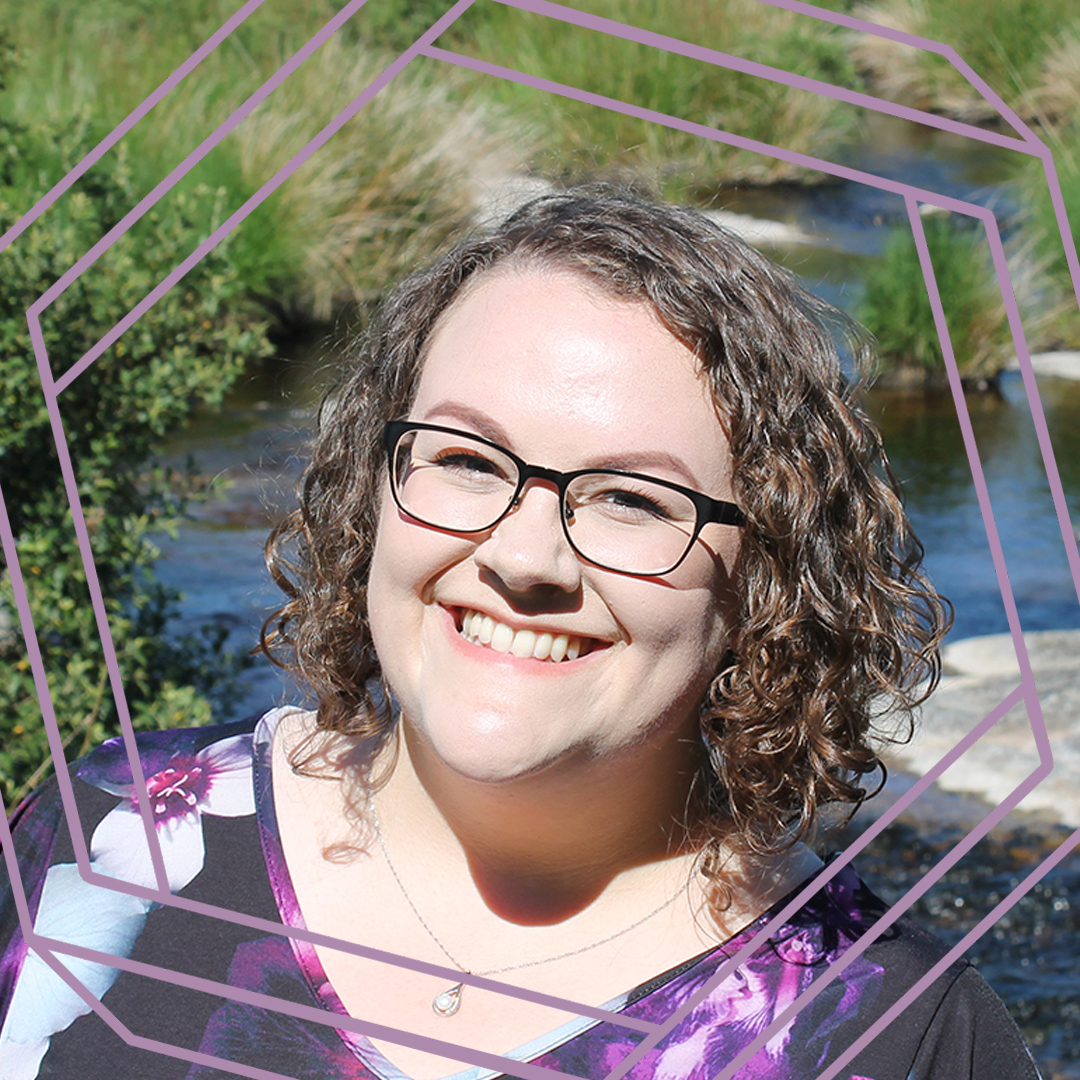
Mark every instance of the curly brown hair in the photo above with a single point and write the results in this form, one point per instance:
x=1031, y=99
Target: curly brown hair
x=836, y=625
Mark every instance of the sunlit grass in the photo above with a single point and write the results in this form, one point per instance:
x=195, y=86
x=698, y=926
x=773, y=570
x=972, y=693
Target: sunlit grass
x=587, y=140
x=391, y=185
x=896, y=306
x=1009, y=43
x=1064, y=323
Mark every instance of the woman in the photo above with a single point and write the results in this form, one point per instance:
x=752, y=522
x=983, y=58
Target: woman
x=597, y=579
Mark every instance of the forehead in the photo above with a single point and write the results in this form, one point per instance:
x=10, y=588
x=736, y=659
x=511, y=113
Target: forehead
x=546, y=362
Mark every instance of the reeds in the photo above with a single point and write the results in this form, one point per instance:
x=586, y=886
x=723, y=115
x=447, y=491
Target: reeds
x=1012, y=44
x=584, y=140
x=389, y=186
x=896, y=306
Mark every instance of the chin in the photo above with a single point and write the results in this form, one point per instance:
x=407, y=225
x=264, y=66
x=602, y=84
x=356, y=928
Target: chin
x=489, y=748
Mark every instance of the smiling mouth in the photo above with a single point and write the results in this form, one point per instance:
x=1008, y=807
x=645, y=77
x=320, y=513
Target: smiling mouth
x=485, y=631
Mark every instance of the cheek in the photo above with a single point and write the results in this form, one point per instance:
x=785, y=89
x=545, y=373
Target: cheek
x=395, y=584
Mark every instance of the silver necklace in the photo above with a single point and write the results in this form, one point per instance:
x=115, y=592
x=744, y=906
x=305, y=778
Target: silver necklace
x=448, y=1001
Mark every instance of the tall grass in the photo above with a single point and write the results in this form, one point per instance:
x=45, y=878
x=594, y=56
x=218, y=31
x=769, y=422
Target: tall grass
x=1010, y=43
x=393, y=183
x=896, y=306
x=1063, y=138
x=585, y=140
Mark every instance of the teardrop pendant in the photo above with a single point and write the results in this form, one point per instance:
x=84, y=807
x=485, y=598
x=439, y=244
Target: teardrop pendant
x=449, y=1001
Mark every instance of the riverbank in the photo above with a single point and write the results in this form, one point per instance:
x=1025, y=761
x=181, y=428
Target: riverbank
x=1062, y=365
x=1029, y=955
x=978, y=674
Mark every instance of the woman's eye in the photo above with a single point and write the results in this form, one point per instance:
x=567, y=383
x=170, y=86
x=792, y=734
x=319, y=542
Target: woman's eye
x=468, y=463
x=631, y=503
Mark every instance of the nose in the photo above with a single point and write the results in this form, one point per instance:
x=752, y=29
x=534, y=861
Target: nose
x=528, y=550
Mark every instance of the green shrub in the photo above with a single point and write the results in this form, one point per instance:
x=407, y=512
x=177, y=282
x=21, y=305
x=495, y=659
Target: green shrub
x=188, y=349
x=896, y=306
x=1063, y=138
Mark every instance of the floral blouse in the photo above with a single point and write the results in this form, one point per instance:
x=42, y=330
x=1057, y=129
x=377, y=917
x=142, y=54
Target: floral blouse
x=158, y=1016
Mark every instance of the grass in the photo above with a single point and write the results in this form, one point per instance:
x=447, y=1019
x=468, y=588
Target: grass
x=1061, y=100
x=390, y=185
x=1010, y=43
x=583, y=140
x=896, y=307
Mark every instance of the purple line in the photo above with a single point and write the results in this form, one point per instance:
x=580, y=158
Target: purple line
x=1063, y=223
x=311, y=1013
x=82, y=858
x=303, y=934
x=128, y=123
x=1027, y=685
x=955, y=953
x=37, y=666
x=65, y=462
x=971, y=446
x=690, y=127
x=1026, y=688
x=885, y=184
x=122, y=1031
x=108, y=648
x=267, y=189
x=826, y=875
x=997, y=251
x=181, y=170
x=764, y=71
x=946, y=51
x=1034, y=401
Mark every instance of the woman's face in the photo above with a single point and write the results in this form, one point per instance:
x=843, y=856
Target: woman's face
x=543, y=363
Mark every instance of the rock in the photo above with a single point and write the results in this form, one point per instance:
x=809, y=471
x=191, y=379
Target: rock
x=1063, y=365
x=980, y=673
x=995, y=654
x=760, y=231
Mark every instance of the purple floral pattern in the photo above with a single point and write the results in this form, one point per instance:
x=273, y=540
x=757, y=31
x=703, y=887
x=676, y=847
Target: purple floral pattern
x=198, y=776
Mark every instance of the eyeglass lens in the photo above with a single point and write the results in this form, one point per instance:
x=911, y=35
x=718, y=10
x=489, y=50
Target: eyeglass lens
x=625, y=523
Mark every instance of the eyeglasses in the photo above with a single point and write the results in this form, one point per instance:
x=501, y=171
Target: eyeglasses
x=617, y=520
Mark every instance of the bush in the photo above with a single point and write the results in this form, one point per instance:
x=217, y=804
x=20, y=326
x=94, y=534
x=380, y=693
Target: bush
x=896, y=306
x=188, y=349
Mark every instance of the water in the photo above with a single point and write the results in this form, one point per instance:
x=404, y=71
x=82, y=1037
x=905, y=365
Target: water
x=925, y=444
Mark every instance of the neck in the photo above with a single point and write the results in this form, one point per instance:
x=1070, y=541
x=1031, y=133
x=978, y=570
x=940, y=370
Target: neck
x=542, y=847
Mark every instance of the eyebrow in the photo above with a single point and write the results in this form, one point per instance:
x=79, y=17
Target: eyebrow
x=627, y=461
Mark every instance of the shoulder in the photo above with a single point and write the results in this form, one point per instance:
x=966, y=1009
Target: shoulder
x=932, y=1019
x=836, y=977
x=200, y=783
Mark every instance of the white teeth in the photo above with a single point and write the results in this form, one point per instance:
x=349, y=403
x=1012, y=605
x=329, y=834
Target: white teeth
x=503, y=638
x=524, y=641
x=484, y=630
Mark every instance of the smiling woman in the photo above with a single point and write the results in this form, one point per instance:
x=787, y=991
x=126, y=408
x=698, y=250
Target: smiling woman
x=598, y=578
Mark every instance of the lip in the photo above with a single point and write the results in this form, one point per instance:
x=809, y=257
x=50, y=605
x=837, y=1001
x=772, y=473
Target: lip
x=453, y=614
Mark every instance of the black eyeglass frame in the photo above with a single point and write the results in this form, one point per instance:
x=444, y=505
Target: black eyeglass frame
x=708, y=509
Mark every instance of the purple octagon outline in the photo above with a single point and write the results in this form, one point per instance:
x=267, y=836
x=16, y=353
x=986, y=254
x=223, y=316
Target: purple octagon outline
x=1026, y=690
